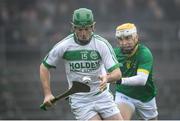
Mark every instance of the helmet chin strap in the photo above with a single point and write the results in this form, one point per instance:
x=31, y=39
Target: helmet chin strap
x=129, y=51
x=82, y=42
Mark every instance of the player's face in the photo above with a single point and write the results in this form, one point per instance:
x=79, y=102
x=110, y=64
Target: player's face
x=84, y=33
x=128, y=43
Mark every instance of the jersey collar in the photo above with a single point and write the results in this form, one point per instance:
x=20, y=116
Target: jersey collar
x=79, y=42
x=134, y=51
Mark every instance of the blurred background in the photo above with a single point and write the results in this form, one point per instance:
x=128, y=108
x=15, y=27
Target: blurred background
x=30, y=28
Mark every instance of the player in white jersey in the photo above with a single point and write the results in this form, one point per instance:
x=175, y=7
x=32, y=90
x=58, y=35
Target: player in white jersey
x=85, y=55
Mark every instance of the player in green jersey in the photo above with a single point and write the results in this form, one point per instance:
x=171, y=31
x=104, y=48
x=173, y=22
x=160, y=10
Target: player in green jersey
x=85, y=55
x=136, y=91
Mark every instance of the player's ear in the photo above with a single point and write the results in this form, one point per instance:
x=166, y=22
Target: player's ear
x=72, y=27
x=137, y=37
x=93, y=26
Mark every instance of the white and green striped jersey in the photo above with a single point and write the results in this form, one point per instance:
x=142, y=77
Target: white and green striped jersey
x=83, y=60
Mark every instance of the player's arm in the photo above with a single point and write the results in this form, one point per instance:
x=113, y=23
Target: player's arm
x=109, y=77
x=144, y=68
x=45, y=80
x=110, y=63
x=138, y=80
x=114, y=75
x=50, y=61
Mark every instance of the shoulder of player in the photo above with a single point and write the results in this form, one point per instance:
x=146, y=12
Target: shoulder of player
x=117, y=50
x=118, y=53
x=66, y=40
x=144, y=51
x=101, y=40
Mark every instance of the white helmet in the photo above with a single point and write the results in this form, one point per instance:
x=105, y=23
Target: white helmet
x=125, y=30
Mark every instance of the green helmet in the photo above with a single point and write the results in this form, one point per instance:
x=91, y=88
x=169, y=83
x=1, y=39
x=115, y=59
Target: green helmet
x=83, y=17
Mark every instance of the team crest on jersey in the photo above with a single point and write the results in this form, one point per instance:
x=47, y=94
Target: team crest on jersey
x=94, y=55
x=128, y=64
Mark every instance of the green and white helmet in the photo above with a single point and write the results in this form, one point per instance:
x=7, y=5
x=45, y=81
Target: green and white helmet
x=83, y=17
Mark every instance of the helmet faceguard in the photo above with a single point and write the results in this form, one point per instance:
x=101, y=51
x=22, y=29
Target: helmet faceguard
x=129, y=50
x=83, y=19
x=127, y=31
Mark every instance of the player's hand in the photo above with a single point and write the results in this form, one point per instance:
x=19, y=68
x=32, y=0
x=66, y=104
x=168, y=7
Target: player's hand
x=103, y=82
x=48, y=99
x=119, y=81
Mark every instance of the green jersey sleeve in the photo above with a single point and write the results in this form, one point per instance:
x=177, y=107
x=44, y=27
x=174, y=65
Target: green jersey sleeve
x=145, y=60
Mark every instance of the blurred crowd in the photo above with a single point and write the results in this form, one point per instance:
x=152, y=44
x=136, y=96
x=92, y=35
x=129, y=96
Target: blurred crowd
x=28, y=27
x=29, y=22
